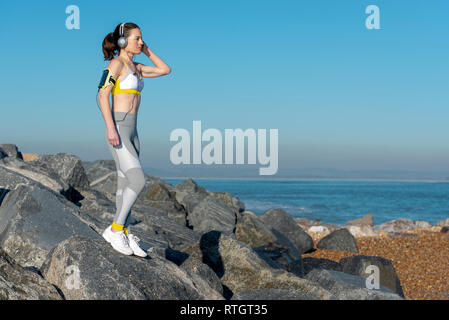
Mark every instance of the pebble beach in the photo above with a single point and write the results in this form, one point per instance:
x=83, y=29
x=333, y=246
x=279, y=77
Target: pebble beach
x=420, y=257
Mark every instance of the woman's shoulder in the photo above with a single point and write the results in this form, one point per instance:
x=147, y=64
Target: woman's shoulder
x=115, y=65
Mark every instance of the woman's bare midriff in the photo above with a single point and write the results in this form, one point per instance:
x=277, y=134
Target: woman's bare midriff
x=126, y=102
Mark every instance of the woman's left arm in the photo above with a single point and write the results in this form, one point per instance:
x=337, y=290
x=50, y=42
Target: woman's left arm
x=160, y=69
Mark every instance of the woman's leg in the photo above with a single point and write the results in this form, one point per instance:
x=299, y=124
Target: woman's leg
x=130, y=176
x=136, y=143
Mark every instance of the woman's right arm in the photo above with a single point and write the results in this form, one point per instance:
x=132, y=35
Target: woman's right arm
x=103, y=97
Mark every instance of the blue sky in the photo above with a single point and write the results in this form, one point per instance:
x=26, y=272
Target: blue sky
x=341, y=96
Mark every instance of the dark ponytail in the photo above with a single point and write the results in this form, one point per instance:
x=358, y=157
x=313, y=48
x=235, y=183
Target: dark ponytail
x=110, y=46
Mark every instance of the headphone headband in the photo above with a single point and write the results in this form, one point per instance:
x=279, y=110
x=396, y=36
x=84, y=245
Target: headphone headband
x=122, y=40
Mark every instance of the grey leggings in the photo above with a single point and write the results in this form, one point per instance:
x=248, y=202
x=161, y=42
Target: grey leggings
x=130, y=176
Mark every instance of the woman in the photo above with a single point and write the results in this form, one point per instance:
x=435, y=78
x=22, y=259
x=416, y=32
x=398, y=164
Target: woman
x=121, y=124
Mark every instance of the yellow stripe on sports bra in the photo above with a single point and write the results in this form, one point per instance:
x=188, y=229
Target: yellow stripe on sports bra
x=116, y=88
x=124, y=62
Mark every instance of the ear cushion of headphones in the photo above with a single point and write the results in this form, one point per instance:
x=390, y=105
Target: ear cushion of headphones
x=122, y=42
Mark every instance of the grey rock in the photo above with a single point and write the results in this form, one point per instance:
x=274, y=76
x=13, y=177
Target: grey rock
x=199, y=272
x=442, y=223
x=3, y=154
x=102, y=273
x=211, y=214
x=190, y=186
x=311, y=263
x=158, y=223
x=396, y=225
x=422, y=224
x=349, y=287
x=282, y=223
x=254, y=232
x=240, y=268
x=340, y=239
x=10, y=150
x=276, y=294
x=279, y=259
x=18, y=283
x=162, y=198
x=190, y=194
x=357, y=265
x=34, y=219
x=36, y=173
x=69, y=167
x=231, y=201
x=268, y=245
x=307, y=223
x=366, y=220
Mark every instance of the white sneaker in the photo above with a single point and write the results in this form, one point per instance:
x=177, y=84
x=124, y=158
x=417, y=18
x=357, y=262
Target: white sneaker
x=118, y=240
x=134, y=245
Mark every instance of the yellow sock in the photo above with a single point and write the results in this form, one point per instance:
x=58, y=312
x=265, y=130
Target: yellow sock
x=117, y=226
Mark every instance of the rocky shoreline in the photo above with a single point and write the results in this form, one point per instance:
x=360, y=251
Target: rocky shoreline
x=202, y=245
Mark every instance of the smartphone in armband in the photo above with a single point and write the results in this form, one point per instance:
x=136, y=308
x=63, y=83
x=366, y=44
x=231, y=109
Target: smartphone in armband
x=106, y=79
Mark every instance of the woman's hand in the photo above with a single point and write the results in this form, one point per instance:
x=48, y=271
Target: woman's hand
x=145, y=48
x=113, y=137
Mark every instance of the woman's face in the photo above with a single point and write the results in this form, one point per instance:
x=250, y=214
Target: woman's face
x=135, y=41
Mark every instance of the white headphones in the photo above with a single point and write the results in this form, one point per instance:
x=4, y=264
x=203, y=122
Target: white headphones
x=122, y=42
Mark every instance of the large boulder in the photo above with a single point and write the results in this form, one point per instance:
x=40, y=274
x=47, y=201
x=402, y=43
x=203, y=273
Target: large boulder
x=277, y=294
x=189, y=194
x=340, y=239
x=91, y=269
x=69, y=167
x=240, y=268
x=18, y=283
x=231, y=201
x=198, y=270
x=34, y=219
x=37, y=174
x=349, y=287
x=310, y=263
x=281, y=222
x=358, y=264
x=276, y=247
x=62, y=173
x=159, y=224
x=162, y=198
x=211, y=214
x=10, y=150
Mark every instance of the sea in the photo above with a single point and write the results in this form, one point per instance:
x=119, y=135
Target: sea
x=337, y=201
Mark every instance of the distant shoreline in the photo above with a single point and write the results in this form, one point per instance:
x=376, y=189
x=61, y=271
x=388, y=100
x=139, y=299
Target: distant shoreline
x=309, y=179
